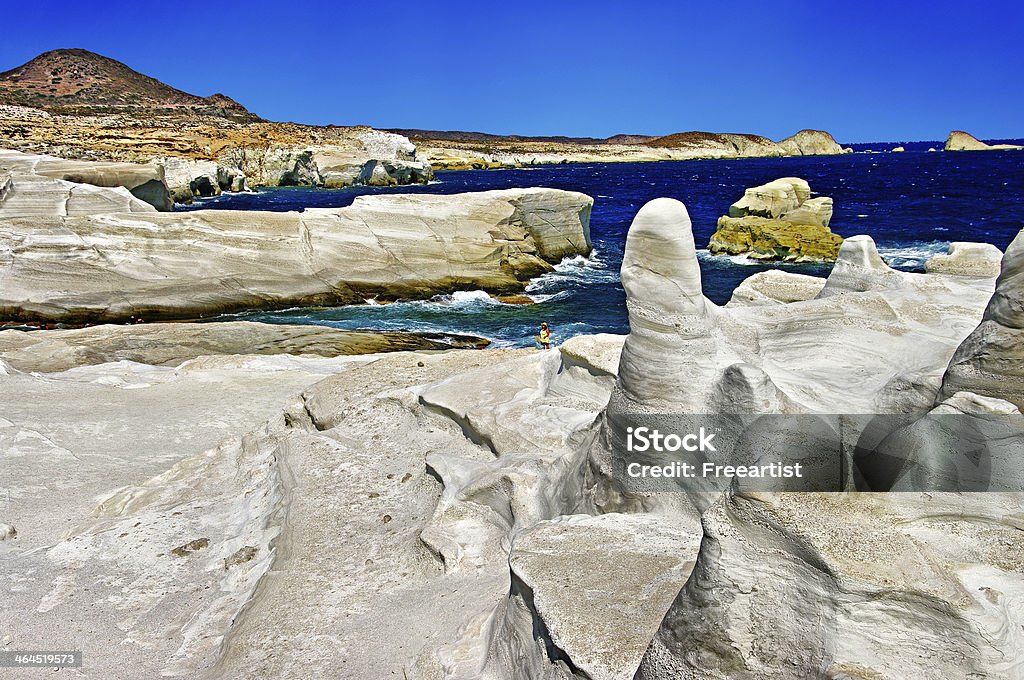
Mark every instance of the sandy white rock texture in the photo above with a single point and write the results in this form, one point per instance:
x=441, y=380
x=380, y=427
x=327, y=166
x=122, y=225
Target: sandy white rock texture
x=990, y=361
x=967, y=259
x=776, y=287
x=108, y=267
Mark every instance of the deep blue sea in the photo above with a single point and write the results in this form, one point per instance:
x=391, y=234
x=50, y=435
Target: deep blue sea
x=913, y=204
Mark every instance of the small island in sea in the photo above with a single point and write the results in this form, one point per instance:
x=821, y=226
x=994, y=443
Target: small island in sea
x=289, y=401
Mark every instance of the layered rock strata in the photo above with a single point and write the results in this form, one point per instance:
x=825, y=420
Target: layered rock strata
x=461, y=151
x=27, y=195
x=170, y=344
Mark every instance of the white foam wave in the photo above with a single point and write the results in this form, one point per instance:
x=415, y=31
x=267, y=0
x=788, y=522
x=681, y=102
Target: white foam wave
x=464, y=296
x=550, y=297
x=741, y=260
x=572, y=262
x=911, y=254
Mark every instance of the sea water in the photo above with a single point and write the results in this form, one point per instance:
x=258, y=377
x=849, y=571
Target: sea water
x=913, y=204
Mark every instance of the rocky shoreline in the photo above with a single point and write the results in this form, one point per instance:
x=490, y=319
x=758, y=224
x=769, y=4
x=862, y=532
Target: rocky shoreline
x=102, y=256
x=456, y=514
x=494, y=153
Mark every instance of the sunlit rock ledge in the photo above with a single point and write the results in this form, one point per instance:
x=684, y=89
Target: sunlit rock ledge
x=106, y=267
x=145, y=182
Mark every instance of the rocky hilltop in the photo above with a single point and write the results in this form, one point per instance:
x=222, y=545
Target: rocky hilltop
x=778, y=221
x=962, y=141
x=76, y=81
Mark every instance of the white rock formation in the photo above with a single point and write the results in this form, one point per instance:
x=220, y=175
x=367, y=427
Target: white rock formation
x=967, y=259
x=187, y=178
x=341, y=169
x=778, y=221
x=776, y=287
x=813, y=211
x=373, y=158
x=159, y=470
x=568, y=580
x=791, y=585
x=106, y=267
x=908, y=586
x=387, y=145
x=773, y=199
x=452, y=515
x=810, y=143
x=170, y=344
x=24, y=195
x=990, y=361
x=145, y=182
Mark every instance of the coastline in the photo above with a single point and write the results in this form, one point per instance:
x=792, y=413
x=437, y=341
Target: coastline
x=774, y=428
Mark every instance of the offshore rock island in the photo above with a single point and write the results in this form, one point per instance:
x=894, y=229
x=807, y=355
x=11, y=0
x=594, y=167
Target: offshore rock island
x=778, y=221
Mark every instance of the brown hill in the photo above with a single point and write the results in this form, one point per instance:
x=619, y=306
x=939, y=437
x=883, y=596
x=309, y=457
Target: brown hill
x=77, y=81
x=684, y=139
x=464, y=136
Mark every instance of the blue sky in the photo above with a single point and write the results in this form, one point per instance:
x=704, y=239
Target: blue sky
x=865, y=71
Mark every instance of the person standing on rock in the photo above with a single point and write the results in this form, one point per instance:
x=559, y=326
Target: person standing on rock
x=544, y=339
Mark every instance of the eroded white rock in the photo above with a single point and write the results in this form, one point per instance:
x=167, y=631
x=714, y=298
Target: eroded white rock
x=967, y=259
x=109, y=267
